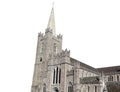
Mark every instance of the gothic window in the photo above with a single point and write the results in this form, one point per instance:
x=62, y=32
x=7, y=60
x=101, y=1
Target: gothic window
x=70, y=87
x=108, y=78
x=54, y=77
x=117, y=77
x=59, y=75
x=55, y=48
x=95, y=88
x=44, y=88
x=111, y=78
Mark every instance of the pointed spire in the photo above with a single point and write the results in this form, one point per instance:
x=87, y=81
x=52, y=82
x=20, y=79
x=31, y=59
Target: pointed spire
x=51, y=23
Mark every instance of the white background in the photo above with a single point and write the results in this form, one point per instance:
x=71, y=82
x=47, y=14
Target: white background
x=90, y=29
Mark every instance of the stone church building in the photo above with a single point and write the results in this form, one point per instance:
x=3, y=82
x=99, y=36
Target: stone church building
x=56, y=71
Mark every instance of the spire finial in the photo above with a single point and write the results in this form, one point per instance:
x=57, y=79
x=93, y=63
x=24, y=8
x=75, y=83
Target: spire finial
x=53, y=4
x=51, y=23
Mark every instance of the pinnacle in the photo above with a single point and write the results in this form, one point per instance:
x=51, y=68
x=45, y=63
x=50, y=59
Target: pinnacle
x=51, y=23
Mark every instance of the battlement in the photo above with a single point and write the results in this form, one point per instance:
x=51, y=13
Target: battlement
x=40, y=35
x=66, y=52
x=59, y=36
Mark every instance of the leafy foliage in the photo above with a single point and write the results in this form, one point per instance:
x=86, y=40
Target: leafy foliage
x=113, y=86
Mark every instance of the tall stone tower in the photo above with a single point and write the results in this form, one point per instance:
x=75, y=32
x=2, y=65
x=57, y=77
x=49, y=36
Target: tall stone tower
x=56, y=71
x=47, y=69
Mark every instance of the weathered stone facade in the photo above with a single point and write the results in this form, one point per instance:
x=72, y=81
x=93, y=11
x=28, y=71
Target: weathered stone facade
x=56, y=71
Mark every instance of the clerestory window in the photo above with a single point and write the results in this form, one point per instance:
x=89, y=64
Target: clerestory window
x=117, y=77
x=59, y=75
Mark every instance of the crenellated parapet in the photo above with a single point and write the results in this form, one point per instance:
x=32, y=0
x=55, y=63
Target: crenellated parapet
x=40, y=35
x=66, y=53
x=59, y=36
x=61, y=54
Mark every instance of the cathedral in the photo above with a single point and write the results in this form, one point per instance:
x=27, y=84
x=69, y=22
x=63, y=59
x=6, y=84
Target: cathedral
x=56, y=71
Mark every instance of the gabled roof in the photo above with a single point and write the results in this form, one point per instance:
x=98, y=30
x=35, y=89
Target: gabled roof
x=85, y=66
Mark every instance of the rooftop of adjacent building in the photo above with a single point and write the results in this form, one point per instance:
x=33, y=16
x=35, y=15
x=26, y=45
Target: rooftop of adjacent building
x=109, y=69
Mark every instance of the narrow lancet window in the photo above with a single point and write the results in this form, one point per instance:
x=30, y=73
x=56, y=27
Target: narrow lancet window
x=59, y=75
x=117, y=77
x=108, y=78
x=54, y=77
x=111, y=78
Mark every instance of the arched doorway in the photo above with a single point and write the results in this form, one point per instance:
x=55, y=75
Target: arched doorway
x=56, y=89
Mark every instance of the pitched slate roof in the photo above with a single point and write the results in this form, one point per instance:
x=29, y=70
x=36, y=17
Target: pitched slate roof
x=83, y=65
x=114, y=69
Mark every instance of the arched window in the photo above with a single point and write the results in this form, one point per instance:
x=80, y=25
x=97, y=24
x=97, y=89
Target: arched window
x=95, y=88
x=117, y=77
x=70, y=87
x=44, y=88
x=111, y=78
x=54, y=77
x=59, y=75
